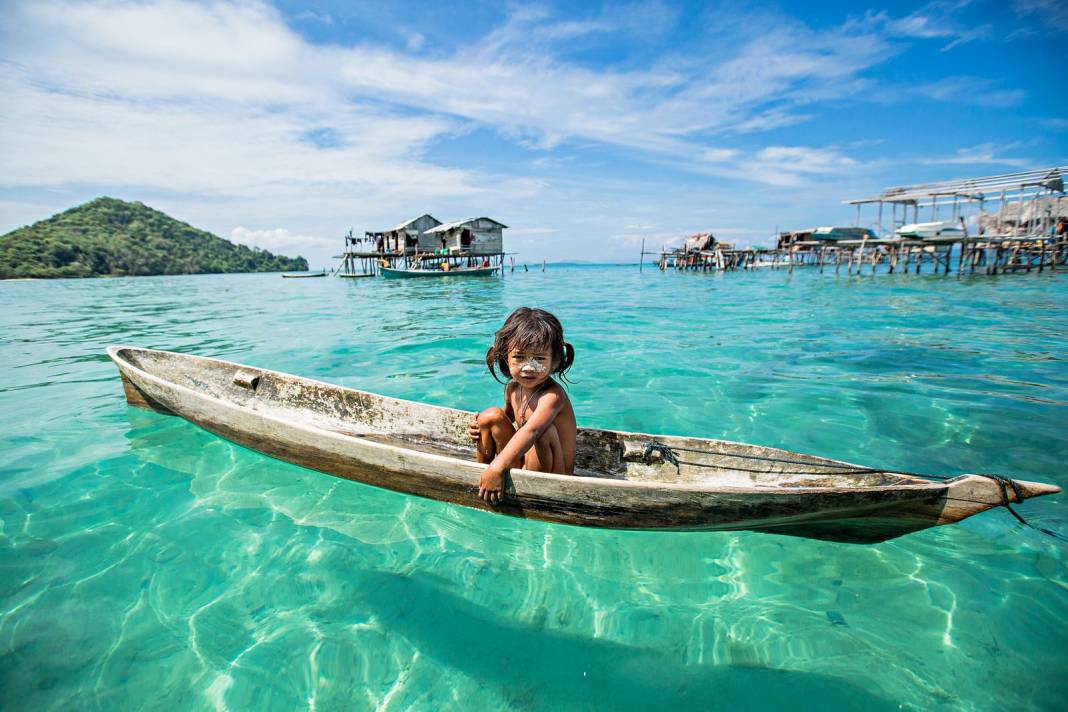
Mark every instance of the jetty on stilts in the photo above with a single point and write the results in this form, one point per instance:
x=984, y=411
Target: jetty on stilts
x=1016, y=222
x=1005, y=223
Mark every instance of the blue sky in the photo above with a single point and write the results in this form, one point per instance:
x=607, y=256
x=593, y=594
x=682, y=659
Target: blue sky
x=584, y=127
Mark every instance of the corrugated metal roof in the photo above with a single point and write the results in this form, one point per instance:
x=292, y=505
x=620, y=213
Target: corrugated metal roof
x=409, y=222
x=457, y=223
x=1051, y=179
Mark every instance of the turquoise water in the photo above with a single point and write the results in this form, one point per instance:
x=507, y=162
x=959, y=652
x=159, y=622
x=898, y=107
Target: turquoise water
x=145, y=563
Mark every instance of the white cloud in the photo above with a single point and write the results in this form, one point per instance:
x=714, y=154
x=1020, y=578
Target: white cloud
x=197, y=98
x=719, y=155
x=519, y=231
x=979, y=91
x=982, y=154
x=528, y=94
x=790, y=165
x=804, y=160
x=310, y=16
x=1053, y=14
x=280, y=240
x=415, y=41
x=935, y=20
x=222, y=97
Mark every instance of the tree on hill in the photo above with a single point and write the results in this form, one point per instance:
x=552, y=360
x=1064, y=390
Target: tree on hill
x=112, y=237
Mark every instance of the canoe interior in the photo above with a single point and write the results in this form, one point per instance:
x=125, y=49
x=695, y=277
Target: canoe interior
x=443, y=431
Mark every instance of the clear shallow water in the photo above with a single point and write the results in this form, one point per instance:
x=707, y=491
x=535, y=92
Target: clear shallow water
x=147, y=563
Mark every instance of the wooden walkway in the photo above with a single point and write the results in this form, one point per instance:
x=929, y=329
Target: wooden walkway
x=986, y=254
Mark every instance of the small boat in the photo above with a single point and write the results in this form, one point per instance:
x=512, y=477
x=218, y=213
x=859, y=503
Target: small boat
x=304, y=275
x=394, y=273
x=930, y=230
x=833, y=234
x=622, y=480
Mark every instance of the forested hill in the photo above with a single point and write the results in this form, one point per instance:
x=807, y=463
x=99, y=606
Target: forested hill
x=112, y=237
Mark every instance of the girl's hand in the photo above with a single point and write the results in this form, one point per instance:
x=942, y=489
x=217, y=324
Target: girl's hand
x=491, y=486
x=473, y=430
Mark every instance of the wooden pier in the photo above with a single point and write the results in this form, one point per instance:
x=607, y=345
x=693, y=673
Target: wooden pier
x=1027, y=232
x=989, y=254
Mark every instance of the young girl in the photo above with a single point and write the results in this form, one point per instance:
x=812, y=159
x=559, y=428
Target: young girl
x=536, y=428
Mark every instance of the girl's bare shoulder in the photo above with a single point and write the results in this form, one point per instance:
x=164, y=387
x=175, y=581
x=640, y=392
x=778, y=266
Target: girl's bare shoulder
x=557, y=390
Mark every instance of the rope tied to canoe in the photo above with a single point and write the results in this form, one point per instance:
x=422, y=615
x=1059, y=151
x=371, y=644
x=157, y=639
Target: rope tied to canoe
x=1003, y=484
x=668, y=453
x=665, y=452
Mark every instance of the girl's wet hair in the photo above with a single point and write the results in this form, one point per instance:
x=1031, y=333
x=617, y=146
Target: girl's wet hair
x=530, y=329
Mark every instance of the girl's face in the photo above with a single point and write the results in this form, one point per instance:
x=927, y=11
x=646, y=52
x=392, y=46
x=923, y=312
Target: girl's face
x=530, y=367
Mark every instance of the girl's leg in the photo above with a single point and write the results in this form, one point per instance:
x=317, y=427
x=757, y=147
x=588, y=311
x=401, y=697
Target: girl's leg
x=547, y=455
x=494, y=432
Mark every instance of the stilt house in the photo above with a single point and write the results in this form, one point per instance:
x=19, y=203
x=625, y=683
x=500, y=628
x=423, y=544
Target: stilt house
x=408, y=237
x=474, y=236
x=699, y=242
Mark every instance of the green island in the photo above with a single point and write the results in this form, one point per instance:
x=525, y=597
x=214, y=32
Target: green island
x=107, y=237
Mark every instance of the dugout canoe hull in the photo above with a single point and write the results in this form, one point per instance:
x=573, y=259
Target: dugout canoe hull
x=424, y=450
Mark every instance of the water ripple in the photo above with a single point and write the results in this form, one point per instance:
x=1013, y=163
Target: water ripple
x=143, y=558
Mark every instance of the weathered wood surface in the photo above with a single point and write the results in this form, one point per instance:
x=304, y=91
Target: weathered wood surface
x=424, y=450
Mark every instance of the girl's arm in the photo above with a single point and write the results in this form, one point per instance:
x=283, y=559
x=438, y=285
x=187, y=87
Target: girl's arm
x=508, y=401
x=545, y=412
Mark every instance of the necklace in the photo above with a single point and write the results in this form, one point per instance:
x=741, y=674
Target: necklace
x=526, y=401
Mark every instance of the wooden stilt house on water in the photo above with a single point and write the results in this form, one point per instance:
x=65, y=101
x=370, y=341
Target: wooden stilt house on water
x=477, y=236
x=424, y=246
x=411, y=234
x=701, y=251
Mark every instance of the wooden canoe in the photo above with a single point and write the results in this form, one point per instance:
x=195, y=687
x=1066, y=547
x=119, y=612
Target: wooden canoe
x=622, y=481
x=393, y=273
x=307, y=275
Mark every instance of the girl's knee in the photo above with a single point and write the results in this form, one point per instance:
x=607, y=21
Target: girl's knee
x=491, y=416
